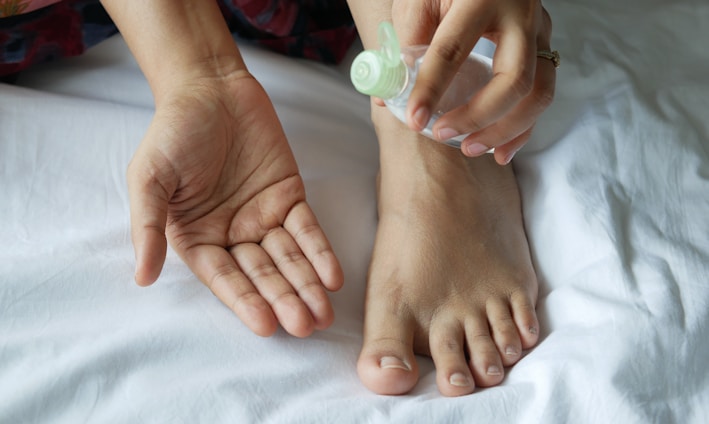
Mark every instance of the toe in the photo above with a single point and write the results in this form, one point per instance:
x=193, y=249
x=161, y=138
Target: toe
x=485, y=360
x=504, y=332
x=447, y=346
x=524, y=315
x=386, y=363
x=387, y=366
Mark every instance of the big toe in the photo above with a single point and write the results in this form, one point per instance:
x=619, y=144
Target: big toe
x=387, y=364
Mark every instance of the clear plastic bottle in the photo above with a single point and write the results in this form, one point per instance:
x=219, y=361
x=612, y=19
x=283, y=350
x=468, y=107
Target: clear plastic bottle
x=390, y=72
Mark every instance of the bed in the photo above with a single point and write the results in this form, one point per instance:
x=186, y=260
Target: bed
x=615, y=189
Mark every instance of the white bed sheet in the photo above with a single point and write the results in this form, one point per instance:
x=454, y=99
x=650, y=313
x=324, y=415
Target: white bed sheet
x=615, y=186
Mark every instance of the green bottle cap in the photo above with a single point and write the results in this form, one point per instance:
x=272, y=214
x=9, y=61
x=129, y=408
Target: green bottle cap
x=380, y=73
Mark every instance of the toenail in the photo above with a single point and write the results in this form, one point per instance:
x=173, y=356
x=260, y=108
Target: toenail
x=493, y=370
x=459, y=379
x=511, y=351
x=533, y=330
x=389, y=362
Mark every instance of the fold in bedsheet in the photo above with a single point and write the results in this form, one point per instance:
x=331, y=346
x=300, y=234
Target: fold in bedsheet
x=615, y=186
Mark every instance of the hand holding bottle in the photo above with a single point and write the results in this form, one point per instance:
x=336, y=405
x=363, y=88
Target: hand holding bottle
x=502, y=114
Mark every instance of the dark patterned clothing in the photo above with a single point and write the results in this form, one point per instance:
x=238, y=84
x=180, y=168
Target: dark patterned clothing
x=320, y=30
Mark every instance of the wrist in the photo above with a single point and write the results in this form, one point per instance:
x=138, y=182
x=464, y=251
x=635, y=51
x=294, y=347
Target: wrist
x=209, y=72
x=177, y=41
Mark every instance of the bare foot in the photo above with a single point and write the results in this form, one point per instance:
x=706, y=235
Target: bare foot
x=451, y=275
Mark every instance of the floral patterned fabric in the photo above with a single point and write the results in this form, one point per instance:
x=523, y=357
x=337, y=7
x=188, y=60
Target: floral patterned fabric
x=36, y=31
x=16, y=7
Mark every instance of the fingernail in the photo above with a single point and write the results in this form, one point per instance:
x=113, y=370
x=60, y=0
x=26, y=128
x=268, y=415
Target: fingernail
x=391, y=362
x=459, y=380
x=421, y=117
x=493, y=370
x=447, y=133
x=511, y=155
x=476, y=149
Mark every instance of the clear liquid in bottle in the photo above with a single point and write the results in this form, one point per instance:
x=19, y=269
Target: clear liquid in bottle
x=390, y=73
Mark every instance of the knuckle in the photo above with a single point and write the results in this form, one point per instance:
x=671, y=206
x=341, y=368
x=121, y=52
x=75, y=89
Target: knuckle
x=544, y=97
x=448, y=345
x=506, y=326
x=450, y=51
x=262, y=271
x=289, y=258
x=307, y=232
x=483, y=342
x=246, y=298
x=221, y=276
x=284, y=298
x=523, y=83
x=473, y=124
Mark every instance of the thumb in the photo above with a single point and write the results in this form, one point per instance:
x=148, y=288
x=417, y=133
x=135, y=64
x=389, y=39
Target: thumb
x=148, y=216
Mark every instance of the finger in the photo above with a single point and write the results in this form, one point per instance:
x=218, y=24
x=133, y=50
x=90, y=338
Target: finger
x=520, y=120
x=289, y=309
x=505, y=153
x=148, y=198
x=513, y=69
x=218, y=270
x=299, y=273
x=454, y=39
x=303, y=226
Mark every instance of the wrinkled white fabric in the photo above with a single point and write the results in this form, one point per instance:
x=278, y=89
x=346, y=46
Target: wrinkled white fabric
x=615, y=186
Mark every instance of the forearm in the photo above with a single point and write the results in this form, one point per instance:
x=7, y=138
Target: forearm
x=367, y=15
x=175, y=40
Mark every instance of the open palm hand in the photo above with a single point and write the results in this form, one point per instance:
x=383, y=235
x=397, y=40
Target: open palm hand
x=215, y=174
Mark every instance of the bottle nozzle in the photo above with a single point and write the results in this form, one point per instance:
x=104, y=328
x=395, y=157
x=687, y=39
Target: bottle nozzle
x=389, y=44
x=380, y=73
